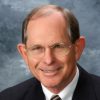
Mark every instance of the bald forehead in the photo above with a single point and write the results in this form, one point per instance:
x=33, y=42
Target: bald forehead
x=53, y=15
x=46, y=13
x=53, y=12
x=54, y=18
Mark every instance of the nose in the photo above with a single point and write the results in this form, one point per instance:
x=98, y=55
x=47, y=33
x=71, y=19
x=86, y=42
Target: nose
x=48, y=57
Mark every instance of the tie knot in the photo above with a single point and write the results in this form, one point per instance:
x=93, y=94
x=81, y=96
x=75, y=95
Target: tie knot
x=55, y=97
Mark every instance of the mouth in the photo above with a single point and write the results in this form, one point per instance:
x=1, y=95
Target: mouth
x=50, y=72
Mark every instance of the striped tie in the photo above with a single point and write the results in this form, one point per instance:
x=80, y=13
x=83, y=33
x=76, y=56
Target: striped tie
x=55, y=97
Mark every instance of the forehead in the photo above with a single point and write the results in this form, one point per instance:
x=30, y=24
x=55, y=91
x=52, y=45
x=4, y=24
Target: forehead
x=50, y=27
x=53, y=16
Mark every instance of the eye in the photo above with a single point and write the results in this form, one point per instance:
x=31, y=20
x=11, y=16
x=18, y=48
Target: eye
x=36, y=48
x=58, y=46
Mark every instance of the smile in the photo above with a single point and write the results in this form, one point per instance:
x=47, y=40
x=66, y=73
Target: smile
x=49, y=72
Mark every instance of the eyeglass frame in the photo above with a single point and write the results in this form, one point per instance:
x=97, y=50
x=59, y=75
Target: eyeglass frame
x=62, y=45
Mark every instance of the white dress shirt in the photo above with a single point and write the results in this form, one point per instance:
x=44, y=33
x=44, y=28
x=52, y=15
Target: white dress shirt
x=67, y=92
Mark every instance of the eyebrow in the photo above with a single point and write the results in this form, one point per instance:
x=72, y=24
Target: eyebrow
x=63, y=43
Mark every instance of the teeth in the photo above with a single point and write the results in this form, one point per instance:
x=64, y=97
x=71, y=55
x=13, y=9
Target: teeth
x=48, y=71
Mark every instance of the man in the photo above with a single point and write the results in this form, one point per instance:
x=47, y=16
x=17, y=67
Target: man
x=51, y=46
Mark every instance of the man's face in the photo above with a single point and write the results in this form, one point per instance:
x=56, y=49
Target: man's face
x=53, y=71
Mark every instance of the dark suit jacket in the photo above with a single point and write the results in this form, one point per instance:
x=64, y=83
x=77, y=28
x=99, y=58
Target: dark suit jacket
x=88, y=88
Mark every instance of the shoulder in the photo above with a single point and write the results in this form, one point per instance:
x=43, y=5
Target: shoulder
x=90, y=83
x=96, y=82
x=91, y=78
x=96, y=79
x=17, y=92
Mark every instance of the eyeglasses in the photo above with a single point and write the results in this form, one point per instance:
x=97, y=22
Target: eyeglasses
x=57, y=49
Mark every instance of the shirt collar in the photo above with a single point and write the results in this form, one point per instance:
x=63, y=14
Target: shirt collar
x=67, y=92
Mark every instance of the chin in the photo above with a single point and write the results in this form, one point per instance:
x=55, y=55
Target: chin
x=50, y=83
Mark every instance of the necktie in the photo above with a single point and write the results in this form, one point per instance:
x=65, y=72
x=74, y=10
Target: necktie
x=55, y=97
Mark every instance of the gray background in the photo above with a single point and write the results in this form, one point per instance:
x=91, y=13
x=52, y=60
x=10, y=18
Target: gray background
x=12, y=12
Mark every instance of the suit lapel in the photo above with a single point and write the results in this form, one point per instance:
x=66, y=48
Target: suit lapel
x=35, y=92
x=84, y=88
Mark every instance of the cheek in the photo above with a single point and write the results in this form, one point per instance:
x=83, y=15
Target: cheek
x=69, y=59
x=32, y=62
x=70, y=65
x=69, y=62
x=72, y=56
x=33, y=66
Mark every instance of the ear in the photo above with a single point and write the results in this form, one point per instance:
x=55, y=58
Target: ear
x=21, y=49
x=79, y=47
